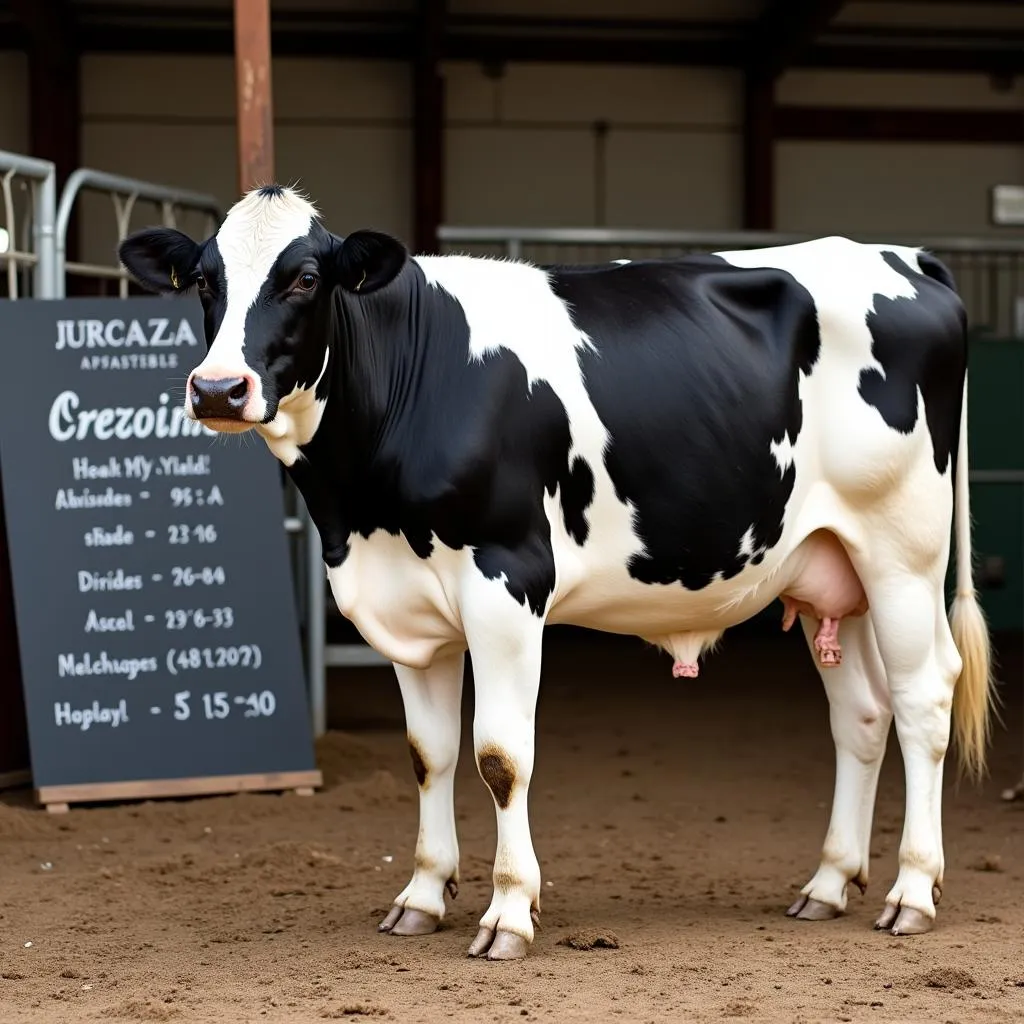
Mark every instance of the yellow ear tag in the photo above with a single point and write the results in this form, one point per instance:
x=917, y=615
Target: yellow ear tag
x=362, y=281
x=174, y=279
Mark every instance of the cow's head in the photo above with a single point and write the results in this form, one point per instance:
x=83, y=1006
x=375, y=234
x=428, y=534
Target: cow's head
x=268, y=282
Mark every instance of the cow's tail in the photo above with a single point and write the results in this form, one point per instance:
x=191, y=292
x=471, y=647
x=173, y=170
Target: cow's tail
x=973, y=695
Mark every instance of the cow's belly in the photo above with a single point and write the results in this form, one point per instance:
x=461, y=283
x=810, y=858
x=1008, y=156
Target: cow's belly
x=407, y=607
x=607, y=598
x=809, y=564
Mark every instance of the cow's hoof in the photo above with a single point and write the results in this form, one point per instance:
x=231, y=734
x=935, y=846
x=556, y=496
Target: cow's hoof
x=482, y=942
x=806, y=909
x=884, y=923
x=415, y=922
x=912, y=922
x=393, y=915
x=904, y=921
x=498, y=945
x=508, y=946
x=407, y=921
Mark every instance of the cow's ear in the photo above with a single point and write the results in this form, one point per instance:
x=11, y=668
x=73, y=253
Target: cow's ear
x=160, y=259
x=368, y=260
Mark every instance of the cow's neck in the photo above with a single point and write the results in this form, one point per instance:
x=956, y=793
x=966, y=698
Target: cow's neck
x=350, y=472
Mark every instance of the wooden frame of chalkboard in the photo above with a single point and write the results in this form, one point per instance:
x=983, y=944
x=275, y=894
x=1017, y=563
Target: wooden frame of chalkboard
x=156, y=624
x=57, y=798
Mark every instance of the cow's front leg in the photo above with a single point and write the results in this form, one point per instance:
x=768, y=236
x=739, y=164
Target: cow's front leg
x=505, y=642
x=433, y=700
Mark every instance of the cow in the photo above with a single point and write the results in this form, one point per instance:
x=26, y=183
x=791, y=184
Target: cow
x=655, y=447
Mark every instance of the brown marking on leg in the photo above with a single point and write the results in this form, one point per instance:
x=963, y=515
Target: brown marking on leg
x=913, y=858
x=419, y=766
x=505, y=881
x=832, y=851
x=425, y=864
x=498, y=771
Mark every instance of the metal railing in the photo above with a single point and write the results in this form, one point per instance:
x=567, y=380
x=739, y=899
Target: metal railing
x=989, y=272
x=29, y=249
x=124, y=193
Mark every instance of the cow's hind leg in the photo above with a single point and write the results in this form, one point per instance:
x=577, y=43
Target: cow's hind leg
x=432, y=699
x=860, y=717
x=922, y=665
x=505, y=641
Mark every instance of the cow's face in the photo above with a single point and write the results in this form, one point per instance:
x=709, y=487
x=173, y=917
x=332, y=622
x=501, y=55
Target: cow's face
x=267, y=283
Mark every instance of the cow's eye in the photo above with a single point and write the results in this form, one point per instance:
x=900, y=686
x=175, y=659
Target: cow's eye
x=201, y=282
x=306, y=282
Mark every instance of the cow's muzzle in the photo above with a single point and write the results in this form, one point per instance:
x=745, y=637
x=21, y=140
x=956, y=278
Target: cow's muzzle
x=220, y=398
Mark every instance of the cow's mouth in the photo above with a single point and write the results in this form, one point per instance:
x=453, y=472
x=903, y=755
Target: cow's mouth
x=225, y=426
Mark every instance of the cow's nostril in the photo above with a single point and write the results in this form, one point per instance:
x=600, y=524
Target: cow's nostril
x=222, y=398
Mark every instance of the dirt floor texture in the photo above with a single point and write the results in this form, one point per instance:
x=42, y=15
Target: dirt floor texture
x=674, y=821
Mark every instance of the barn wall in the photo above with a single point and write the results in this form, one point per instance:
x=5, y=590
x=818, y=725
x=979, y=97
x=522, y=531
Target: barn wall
x=526, y=147
x=342, y=131
x=671, y=155
x=915, y=188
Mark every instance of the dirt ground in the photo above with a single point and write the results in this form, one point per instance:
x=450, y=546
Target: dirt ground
x=676, y=818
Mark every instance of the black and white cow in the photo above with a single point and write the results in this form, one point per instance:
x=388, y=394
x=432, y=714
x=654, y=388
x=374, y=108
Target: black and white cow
x=659, y=447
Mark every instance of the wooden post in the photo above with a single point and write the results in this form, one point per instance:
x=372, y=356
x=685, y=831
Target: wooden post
x=428, y=127
x=254, y=96
x=758, y=152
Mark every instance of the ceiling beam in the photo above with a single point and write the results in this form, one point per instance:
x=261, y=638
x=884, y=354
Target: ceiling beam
x=784, y=31
x=48, y=27
x=890, y=124
x=393, y=36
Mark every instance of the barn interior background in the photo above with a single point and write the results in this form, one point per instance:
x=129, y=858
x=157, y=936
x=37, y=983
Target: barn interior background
x=555, y=129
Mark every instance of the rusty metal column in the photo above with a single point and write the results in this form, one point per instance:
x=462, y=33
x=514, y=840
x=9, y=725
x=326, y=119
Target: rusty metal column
x=254, y=96
x=256, y=167
x=428, y=126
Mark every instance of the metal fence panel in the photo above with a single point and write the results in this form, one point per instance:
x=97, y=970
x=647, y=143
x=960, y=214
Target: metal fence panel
x=124, y=193
x=39, y=177
x=989, y=272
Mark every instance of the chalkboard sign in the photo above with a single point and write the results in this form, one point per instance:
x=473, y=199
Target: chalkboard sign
x=154, y=602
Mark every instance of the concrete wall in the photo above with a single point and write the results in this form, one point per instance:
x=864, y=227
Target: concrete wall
x=523, y=148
